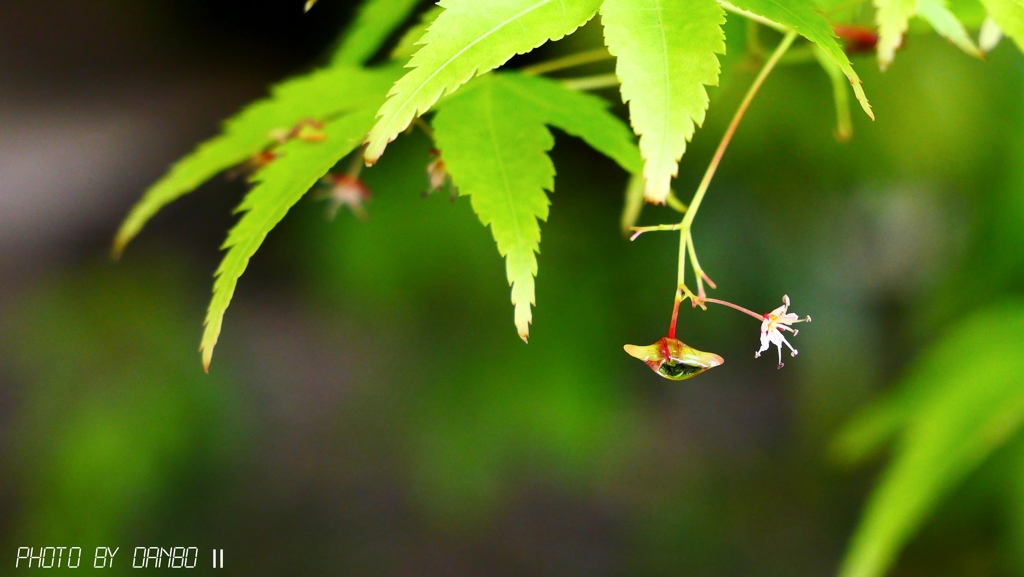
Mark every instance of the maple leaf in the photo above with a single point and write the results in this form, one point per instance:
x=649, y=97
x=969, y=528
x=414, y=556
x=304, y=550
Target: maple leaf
x=892, y=18
x=1009, y=16
x=665, y=55
x=279, y=185
x=470, y=38
x=946, y=24
x=374, y=22
x=318, y=96
x=803, y=17
x=494, y=142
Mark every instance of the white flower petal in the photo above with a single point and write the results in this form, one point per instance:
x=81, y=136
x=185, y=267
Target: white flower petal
x=788, y=318
x=772, y=326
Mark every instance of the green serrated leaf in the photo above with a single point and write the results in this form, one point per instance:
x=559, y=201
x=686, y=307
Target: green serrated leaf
x=1009, y=15
x=945, y=23
x=376, y=20
x=411, y=40
x=318, y=96
x=492, y=167
x=496, y=153
x=892, y=18
x=665, y=51
x=803, y=17
x=469, y=38
x=280, y=185
x=579, y=114
x=969, y=400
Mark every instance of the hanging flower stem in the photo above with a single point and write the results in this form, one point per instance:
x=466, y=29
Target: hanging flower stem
x=675, y=316
x=685, y=238
x=735, y=307
x=691, y=213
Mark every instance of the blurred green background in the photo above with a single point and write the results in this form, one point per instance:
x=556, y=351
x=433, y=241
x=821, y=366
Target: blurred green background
x=371, y=410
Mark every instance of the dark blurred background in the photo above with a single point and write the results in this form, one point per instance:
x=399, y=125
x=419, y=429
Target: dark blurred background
x=371, y=410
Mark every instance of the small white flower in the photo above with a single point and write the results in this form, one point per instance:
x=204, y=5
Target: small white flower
x=774, y=323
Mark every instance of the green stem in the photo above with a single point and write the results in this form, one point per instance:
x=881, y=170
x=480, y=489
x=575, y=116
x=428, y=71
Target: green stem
x=731, y=130
x=751, y=16
x=634, y=204
x=743, y=310
x=840, y=93
x=681, y=276
x=754, y=45
x=674, y=203
x=568, y=61
x=685, y=238
x=800, y=55
x=757, y=50
x=844, y=126
x=591, y=82
x=638, y=230
x=697, y=270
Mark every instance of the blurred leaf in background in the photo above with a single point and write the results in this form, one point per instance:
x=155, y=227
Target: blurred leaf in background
x=118, y=438
x=963, y=400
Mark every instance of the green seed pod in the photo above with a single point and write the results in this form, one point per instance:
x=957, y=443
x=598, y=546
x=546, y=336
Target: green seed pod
x=674, y=360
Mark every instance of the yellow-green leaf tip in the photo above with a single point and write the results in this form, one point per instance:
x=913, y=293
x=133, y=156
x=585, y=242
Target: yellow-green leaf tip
x=207, y=358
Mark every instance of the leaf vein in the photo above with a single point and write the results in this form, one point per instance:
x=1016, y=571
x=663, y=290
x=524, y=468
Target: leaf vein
x=462, y=51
